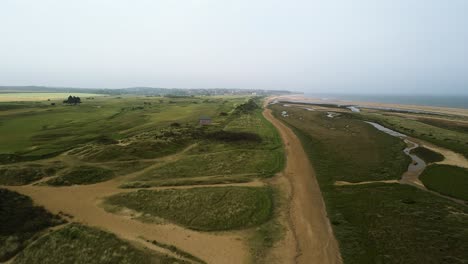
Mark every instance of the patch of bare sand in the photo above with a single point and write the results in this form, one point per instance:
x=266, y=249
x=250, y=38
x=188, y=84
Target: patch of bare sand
x=82, y=202
x=450, y=157
x=315, y=240
x=285, y=250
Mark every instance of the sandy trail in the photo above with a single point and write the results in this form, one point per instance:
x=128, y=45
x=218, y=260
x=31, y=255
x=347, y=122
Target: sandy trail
x=82, y=202
x=311, y=227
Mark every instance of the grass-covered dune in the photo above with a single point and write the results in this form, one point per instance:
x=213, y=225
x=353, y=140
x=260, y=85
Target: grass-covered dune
x=207, y=209
x=446, y=179
x=427, y=155
x=82, y=175
x=242, y=147
x=20, y=222
x=76, y=243
x=27, y=173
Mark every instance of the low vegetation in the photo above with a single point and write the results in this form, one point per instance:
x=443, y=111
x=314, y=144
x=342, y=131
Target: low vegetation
x=376, y=223
x=76, y=243
x=27, y=173
x=82, y=175
x=233, y=162
x=345, y=148
x=427, y=155
x=447, y=180
x=393, y=223
x=207, y=209
x=21, y=222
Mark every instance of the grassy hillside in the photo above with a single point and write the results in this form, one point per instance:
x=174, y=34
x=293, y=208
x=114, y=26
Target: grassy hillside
x=21, y=222
x=207, y=209
x=76, y=243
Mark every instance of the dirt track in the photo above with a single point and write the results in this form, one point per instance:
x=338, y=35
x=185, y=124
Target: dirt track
x=82, y=202
x=316, y=242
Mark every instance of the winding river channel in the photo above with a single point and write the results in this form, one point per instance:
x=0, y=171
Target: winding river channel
x=417, y=165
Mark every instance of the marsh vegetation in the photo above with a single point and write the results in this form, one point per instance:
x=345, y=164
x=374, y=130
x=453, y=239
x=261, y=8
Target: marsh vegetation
x=382, y=222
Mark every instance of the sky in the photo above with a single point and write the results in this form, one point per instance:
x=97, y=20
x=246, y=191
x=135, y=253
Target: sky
x=342, y=46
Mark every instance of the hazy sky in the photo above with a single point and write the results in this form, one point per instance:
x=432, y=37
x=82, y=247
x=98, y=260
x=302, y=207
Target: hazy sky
x=380, y=46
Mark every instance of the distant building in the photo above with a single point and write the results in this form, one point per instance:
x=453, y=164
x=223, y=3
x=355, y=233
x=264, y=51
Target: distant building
x=284, y=114
x=205, y=120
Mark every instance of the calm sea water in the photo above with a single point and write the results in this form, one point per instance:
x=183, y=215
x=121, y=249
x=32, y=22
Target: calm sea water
x=456, y=101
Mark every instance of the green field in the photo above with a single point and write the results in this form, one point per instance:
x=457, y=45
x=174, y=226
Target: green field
x=38, y=130
x=76, y=243
x=376, y=223
x=207, y=209
x=21, y=222
x=427, y=155
x=446, y=179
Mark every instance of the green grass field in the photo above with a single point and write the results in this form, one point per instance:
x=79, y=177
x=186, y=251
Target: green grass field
x=446, y=179
x=21, y=222
x=427, y=155
x=36, y=130
x=207, y=209
x=377, y=223
x=76, y=243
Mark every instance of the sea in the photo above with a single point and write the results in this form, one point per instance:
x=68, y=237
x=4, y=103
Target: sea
x=454, y=101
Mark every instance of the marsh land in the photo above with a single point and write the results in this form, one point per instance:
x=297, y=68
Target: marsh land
x=142, y=179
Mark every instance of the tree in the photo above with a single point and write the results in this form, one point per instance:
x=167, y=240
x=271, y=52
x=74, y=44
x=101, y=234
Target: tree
x=72, y=100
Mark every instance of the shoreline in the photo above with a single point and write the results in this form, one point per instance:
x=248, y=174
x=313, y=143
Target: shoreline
x=424, y=109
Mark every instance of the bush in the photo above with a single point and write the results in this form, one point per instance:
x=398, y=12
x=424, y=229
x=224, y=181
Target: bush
x=20, y=221
x=248, y=107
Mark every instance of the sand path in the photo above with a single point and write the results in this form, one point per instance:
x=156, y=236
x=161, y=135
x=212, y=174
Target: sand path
x=311, y=227
x=82, y=202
